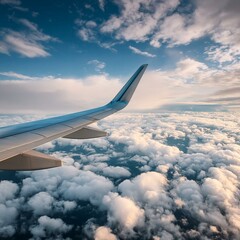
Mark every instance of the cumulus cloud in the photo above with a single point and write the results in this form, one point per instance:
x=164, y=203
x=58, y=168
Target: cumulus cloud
x=41, y=203
x=8, y=208
x=189, y=190
x=8, y=190
x=103, y=233
x=147, y=187
x=86, y=186
x=124, y=211
x=49, y=226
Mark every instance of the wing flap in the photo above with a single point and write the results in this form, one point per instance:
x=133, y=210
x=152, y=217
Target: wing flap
x=31, y=160
x=86, y=132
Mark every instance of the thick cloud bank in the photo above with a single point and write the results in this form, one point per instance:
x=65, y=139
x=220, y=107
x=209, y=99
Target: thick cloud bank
x=156, y=176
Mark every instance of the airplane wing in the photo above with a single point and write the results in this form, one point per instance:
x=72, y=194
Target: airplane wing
x=17, y=141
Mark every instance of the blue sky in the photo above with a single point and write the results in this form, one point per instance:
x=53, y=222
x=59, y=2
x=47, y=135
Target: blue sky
x=190, y=46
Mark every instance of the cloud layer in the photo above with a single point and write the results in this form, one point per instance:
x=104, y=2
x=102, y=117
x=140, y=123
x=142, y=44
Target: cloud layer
x=190, y=82
x=160, y=176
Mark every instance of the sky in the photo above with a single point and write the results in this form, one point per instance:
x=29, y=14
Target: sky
x=170, y=165
x=64, y=56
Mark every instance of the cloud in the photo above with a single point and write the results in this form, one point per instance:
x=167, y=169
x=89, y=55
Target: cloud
x=55, y=93
x=86, y=34
x=87, y=187
x=222, y=54
x=137, y=51
x=41, y=203
x=27, y=43
x=190, y=27
x=137, y=19
x=8, y=209
x=87, y=31
x=49, y=226
x=108, y=171
x=103, y=233
x=124, y=211
x=170, y=23
x=190, y=187
x=101, y=4
x=147, y=187
x=98, y=64
x=10, y=2
x=8, y=217
x=16, y=75
x=191, y=84
x=116, y=172
x=8, y=190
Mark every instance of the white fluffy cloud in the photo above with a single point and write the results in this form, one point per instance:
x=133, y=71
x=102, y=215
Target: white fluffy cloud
x=189, y=188
x=103, y=233
x=49, y=226
x=41, y=203
x=8, y=208
x=147, y=187
x=123, y=211
x=8, y=190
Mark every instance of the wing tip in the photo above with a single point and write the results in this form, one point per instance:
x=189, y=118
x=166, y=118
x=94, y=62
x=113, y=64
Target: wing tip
x=125, y=94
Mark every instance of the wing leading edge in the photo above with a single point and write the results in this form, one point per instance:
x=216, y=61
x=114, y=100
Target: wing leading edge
x=17, y=141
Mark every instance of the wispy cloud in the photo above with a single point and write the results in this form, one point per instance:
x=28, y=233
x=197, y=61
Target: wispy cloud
x=102, y=4
x=14, y=4
x=229, y=91
x=99, y=66
x=10, y=2
x=138, y=51
x=88, y=32
x=15, y=75
x=28, y=43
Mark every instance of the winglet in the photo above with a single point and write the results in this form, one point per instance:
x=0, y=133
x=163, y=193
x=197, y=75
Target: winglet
x=125, y=94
